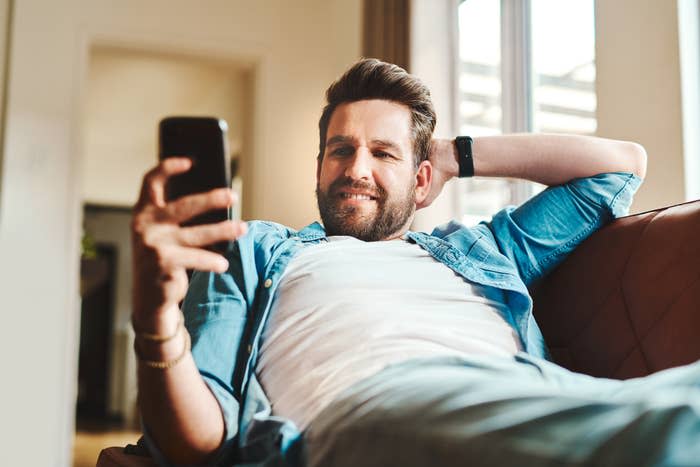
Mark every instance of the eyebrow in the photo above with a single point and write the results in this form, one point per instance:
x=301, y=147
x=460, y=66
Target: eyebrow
x=343, y=139
x=387, y=144
x=339, y=139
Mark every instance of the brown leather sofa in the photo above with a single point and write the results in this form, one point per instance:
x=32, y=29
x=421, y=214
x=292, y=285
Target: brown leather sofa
x=626, y=303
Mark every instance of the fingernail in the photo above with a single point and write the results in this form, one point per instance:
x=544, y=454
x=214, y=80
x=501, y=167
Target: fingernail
x=244, y=228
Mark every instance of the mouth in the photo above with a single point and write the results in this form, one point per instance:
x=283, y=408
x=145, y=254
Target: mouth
x=357, y=196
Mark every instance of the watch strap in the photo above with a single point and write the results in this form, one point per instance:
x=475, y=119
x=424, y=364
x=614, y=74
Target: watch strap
x=464, y=156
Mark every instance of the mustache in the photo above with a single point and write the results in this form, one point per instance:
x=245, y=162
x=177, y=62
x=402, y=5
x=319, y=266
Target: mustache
x=370, y=188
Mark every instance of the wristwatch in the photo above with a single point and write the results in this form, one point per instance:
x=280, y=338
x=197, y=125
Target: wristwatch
x=464, y=156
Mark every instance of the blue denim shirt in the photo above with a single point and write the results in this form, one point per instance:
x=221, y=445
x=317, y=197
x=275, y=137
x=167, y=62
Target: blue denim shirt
x=226, y=313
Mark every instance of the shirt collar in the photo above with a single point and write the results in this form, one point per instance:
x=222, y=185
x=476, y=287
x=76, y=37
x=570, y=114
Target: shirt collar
x=315, y=231
x=312, y=232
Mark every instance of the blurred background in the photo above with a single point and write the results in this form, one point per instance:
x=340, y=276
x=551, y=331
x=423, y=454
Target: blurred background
x=83, y=84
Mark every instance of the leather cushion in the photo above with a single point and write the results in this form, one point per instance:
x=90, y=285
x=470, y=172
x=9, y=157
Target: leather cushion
x=626, y=303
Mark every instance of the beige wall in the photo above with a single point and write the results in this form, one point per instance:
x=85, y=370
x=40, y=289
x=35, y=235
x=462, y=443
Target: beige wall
x=129, y=91
x=639, y=90
x=432, y=56
x=295, y=49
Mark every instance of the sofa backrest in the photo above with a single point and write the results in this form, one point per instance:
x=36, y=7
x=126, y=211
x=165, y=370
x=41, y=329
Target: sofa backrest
x=626, y=303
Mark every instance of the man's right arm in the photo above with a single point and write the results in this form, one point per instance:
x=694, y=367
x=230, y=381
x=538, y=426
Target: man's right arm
x=181, y=414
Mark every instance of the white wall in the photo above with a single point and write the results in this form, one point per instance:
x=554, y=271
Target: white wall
x=296, y=49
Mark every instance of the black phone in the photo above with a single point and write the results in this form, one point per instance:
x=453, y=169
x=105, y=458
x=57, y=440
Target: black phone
x=203, y=140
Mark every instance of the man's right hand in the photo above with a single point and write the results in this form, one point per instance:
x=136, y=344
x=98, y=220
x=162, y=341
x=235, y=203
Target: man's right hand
x=163, y=250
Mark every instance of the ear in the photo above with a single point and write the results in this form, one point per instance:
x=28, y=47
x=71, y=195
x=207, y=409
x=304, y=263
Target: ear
x=424, y=180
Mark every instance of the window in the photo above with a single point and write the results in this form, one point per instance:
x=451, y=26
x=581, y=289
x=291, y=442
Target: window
x=524, y=65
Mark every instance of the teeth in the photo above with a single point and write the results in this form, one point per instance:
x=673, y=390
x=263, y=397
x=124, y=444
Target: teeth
x=356, y=196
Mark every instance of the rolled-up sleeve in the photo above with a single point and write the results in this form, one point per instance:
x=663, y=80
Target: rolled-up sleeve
x=538, y=235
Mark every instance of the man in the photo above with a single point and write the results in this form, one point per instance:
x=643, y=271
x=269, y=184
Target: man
x=359, y=342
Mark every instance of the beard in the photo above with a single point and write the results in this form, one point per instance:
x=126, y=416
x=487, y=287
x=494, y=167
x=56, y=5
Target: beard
x=389, y=216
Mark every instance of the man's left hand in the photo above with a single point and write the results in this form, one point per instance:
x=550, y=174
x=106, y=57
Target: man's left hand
x=443, y=158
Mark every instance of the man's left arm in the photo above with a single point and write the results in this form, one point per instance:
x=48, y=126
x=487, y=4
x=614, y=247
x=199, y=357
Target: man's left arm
x=591, y=180
x=547, y=159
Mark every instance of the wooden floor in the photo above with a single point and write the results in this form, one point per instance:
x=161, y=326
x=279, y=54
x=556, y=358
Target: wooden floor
x=89, y=441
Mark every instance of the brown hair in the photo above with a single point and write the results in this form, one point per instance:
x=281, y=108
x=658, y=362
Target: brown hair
x=370, y=78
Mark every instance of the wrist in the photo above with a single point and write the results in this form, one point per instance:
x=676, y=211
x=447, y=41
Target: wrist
x=163, y=355
x=161, y=322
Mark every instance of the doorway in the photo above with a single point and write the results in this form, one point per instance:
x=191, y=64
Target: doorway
x=127, y=92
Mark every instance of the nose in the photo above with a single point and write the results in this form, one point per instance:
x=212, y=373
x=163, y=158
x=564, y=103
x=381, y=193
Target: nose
x=359, y=167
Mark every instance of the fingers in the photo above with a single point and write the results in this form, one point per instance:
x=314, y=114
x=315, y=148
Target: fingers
x=190, y=206
x=153, y=185
x=195, y=258
x=208, y=234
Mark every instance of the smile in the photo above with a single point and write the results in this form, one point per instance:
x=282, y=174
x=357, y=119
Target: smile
x=357, y=196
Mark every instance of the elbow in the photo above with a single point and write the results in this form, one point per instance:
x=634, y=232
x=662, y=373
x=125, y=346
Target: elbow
x=636, y=158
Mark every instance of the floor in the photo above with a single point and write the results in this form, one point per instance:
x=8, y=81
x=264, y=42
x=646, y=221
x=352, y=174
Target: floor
x=90, y=439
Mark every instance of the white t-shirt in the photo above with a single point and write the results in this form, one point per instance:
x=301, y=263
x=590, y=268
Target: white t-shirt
x=346, y=308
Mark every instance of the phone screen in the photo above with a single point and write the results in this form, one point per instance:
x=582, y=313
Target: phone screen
x=202, y=139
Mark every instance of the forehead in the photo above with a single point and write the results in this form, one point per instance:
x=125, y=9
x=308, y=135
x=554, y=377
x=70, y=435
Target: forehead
x=371, y=119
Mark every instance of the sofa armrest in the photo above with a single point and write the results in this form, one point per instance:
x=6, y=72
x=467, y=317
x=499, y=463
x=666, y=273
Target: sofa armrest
x=121, y=457
x=626, y=303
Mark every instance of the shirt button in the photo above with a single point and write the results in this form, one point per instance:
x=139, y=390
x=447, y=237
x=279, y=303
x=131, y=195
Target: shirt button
x=268, y=283
x=250, y=348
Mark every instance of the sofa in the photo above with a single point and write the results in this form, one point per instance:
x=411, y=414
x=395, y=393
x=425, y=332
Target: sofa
x=626, y=303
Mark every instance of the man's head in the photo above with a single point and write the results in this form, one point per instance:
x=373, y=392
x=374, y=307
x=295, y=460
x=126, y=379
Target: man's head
x=375, y=134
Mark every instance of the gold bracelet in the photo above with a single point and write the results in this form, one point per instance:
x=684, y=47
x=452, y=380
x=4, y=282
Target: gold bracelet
x=159, y=337
x=164, y=365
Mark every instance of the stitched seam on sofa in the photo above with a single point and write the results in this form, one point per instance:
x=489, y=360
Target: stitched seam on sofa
x=670, y=264
x=599, y=306
x=654, y=324
x=598, y=310
x=670, y=307
x=624, y=298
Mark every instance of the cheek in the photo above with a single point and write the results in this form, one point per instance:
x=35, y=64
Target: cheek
x=324, y=178
x=395, y=183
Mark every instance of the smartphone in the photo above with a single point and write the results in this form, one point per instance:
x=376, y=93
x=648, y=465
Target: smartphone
x=202, y=139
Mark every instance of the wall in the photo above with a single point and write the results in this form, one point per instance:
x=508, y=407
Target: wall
x=639, y=90
x=432, y=57
x=5, y=21
x=296, y=49
x=129, y=91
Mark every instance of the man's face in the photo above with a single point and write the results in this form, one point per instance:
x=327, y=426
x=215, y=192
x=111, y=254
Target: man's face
x=366, y=181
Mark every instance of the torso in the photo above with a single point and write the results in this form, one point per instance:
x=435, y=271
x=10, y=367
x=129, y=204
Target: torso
x=345, y=309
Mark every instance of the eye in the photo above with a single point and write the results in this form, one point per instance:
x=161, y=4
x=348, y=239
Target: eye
x=343, y=151
x=383, y=155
